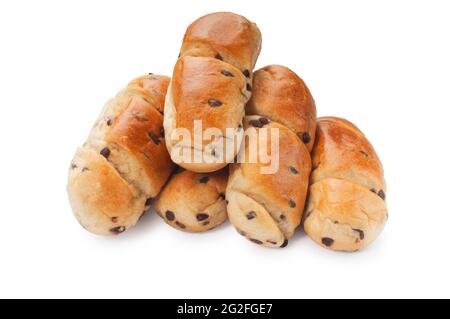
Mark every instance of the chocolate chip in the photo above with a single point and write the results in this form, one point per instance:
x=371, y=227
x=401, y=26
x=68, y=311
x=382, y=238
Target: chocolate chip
x=117, y=230
x=181, y=225
x=305, y=137
x=178, y=170
x=202, y=216
x=218, y=57
x=284, y=244
x=336, y=222
x=364, y=153
x=226, y=73
x=114, y=219
x=179, y=55
x=256, y=123
x=292, y=203
x=263, y=121
x=242, y=233
x=226, y=201
x=373, y=190
x=84, y=169
x=381, y=194
x=250, y=215
x=170, y=215
x=293, y=170
x=105, y=152
x=214, y=102
x=327, y=241
x=204, y=180
x=205, y=223
x=150, y=73
x=161, y=132
x=148, y=202
x=282, y=217
x=256, y=241
x=109, y=122
x=154, y=138
x=246, y=73
x=222, y=195
x=360, y=232
x=73, y=165
x=271, y=242
x=248, y=87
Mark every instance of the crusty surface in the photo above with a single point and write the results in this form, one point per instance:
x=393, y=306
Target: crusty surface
x=267, y=208
x=346, y=208
x=193, y=202
x=342, y=151
x=124, y=161
x=226, y=36
x=282, y=96
x=196, y=83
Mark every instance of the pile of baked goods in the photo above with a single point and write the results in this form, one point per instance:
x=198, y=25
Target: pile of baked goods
x=329, y=178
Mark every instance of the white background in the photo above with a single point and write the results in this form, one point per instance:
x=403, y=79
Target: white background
x=385, y=65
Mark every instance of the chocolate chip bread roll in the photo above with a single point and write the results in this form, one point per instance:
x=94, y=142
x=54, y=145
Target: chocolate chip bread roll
x=194, y=202
x=266, y=208
x=211, y=84
x=346, y=209
x=124, y=162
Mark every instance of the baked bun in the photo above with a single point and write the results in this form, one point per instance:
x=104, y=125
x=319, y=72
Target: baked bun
x=346, y=209
x=282, y=96
x=266, y=208
x=124, y=162
x=193, y=202
x=224, y=36
x=211, y=84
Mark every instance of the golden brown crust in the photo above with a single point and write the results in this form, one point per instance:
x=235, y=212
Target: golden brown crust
x=346, y=208
x=342, y=151
x=281, y=95
x=226, y=36
x=277, y=199
x=139, y=131
x=151, y=88
x=197, y=81
x=124, y=161
x=193, y=202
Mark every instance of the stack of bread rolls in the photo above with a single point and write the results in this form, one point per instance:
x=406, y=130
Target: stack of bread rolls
x=327, y=172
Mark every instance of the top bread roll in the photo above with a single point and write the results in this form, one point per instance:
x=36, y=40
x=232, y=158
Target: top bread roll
x=346, y=207
x=224, y=36
x=124, y=162
x=211, y=84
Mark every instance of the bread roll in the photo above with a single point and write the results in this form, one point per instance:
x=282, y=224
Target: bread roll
x=124, y=162
x=193, y=202
x=284, y=98
x=346, y=209
x=211, y=83
x=266, y=208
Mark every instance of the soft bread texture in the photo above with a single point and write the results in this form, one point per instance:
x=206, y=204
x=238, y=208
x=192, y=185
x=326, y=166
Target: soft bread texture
x=211, y=83
x=193, y=202
x=266, y=208
x=281, y=95
x=124, y=162
x=346, y=208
